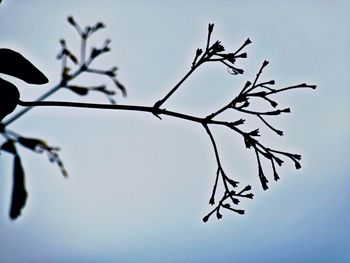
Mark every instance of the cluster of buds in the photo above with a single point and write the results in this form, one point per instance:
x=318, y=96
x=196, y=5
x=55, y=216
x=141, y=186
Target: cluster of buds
x=83, y=64
x=215, y=53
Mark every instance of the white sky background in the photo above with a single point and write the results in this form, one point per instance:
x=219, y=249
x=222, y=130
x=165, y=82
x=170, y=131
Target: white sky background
x=138, y=186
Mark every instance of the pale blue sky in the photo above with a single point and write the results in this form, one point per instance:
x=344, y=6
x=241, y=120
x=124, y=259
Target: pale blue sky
x=139, y=187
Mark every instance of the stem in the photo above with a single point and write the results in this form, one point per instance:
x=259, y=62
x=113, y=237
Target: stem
x=203, y=121
x=160, y=102
x=302, y=86
x=214, y=146
x=111, y=107
x=82, y=51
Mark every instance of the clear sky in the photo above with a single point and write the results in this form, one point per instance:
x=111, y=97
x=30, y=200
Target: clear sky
x=138, y=186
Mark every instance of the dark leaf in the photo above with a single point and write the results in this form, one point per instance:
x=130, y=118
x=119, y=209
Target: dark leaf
x=19, y=193
x=205, y=219
x=9, y=96
x=79, y=90
x=9, y=146
x=14, y=64
x=32, y=144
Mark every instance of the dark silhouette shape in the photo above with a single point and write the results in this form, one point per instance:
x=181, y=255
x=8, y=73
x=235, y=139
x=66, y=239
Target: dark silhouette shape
x=19, y=193
x=9, y=96
x=14, y=64
x=212, y=53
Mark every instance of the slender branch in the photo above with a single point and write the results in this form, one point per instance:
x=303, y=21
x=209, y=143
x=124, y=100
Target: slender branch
x=303, y=85
x=160, y=102
x=280, y=133
x=82, y=51
x=214, y=145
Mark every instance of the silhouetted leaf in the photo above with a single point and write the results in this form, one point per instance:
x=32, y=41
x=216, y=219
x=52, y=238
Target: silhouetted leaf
x=79, y=90
x=9, y=96
x=32, y=144
x=9, y=147
x=19, y=193
x=14, y=64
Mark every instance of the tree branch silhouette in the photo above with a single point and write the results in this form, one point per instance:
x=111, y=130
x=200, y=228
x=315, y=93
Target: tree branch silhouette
x=213, y=52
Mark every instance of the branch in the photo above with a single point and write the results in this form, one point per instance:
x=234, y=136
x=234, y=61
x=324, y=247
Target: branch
x=213, y=52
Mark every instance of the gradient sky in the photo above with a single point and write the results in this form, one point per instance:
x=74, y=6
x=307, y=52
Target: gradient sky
x=138, y=186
